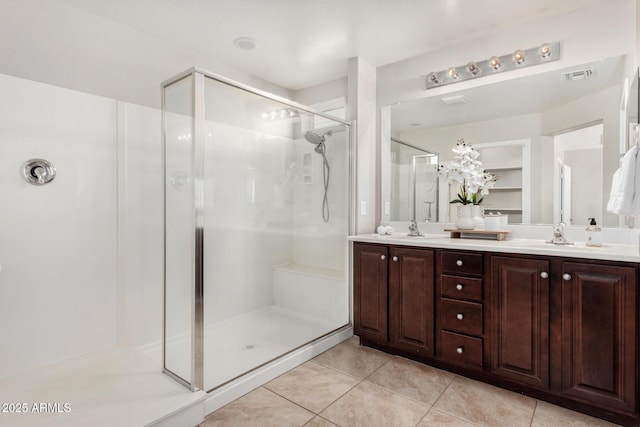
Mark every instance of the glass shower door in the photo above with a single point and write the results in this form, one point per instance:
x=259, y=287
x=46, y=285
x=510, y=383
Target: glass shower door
x=256, y=218
x=180, y=254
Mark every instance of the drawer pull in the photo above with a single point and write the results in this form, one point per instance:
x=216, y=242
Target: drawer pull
x=383, y=257
x=395, y=258
x=566, y=277
x=460, y=350
x=459, y=316
x=544, y=275
x=459, y=263
x=459, y=286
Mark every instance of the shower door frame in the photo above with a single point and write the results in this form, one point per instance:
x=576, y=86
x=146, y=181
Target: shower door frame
x=197, y=290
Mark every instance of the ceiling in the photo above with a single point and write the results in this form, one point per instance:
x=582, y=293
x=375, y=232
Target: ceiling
x=301, y=43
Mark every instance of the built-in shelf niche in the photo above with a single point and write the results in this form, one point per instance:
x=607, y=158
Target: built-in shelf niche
x=510, y=160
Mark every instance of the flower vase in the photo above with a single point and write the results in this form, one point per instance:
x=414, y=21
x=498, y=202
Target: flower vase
x=477, y=213
x=465, y=221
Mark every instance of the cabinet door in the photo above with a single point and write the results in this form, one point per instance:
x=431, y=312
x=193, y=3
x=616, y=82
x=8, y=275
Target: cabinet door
x=520, y=320
x=370, y=291
x=599, y=344
x=411, y=294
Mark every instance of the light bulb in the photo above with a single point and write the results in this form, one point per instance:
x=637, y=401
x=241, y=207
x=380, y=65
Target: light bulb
x=518, y=56
x=434, y=79
x=494, y=62
x=544, y=50
x=453, y=73
x=473, y=68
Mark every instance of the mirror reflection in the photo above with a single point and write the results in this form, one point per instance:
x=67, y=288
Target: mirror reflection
x=414, y=182
x=553, y=138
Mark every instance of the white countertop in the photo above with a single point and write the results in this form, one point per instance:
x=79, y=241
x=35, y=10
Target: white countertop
x=608, y=251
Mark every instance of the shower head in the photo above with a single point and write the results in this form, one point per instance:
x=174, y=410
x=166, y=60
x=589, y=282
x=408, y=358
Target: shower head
x=316, y=139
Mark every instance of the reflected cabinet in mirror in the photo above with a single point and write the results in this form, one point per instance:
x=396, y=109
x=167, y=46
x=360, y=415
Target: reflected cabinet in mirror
x=554, y=140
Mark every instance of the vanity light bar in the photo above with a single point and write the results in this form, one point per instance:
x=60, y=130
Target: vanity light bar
x=546, y=52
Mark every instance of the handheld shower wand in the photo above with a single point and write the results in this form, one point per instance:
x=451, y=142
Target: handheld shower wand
x=319, y=140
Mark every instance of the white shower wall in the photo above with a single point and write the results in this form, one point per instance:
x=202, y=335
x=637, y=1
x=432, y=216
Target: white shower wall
x=248, y=216
x=58, y=292
x=316, y=243
x=81, y=257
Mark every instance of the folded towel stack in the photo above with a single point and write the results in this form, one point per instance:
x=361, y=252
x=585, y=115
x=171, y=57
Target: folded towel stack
x=385, y=230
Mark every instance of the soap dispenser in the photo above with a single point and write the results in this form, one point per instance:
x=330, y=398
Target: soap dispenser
x=593, y=234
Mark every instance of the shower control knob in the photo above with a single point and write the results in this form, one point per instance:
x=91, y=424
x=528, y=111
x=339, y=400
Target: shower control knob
x=566, y=277
x=459, y=316
x=459, y=286
x=459, y=263
x=383, y=257
x=395, y=258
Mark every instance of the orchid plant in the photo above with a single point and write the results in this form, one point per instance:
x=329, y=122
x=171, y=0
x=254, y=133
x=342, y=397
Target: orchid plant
x=467, y=171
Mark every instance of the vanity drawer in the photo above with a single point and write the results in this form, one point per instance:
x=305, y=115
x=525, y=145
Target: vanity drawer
x=462, y=263
x=461, y=287
x=461, y=316
x=461, y=349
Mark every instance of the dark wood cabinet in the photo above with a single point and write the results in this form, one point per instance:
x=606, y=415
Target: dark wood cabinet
x=599, y=335
x=370, y=267
x=393, y=296
x=520, y=320
x=559, y=329
x=411, y=278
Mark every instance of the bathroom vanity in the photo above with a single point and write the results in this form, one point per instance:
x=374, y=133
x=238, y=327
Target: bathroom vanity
x=558, y=324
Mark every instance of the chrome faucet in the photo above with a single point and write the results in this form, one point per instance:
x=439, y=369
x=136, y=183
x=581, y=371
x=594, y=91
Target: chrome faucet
x=558, y=235
x=413, y=229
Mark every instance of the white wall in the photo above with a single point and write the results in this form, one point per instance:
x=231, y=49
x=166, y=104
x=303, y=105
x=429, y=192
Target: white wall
x=58, y=245
x=586, y=175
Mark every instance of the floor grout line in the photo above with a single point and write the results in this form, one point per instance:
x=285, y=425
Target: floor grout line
x=533, y=414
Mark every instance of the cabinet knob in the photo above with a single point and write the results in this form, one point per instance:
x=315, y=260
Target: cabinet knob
x=459, y=316
x=395, y=258
x=459, y=263
x=566, y=277
x=383, y=257
x=460, y=350
x=544, y=275
x=459, y=286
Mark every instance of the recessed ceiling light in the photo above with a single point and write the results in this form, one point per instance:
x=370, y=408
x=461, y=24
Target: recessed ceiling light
x=246, y=43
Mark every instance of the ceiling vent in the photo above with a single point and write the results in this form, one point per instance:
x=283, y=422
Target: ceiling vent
x=452, y=100
x=580, y=74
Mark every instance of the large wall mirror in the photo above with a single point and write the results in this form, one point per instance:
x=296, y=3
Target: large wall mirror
x=554, y=138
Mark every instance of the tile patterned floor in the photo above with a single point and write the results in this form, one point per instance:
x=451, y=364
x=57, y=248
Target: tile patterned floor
x=350, y=385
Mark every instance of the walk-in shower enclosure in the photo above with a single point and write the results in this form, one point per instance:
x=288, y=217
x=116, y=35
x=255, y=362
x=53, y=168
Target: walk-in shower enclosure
x=252, y=270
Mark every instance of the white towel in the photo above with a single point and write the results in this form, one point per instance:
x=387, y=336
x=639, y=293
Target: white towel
x=385, y=230
x=623, y=199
